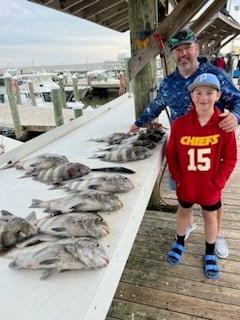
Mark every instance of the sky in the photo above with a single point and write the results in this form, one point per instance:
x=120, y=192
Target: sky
x=34, y=35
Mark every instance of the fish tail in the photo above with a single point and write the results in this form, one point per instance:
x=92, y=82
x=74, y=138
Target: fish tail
x=14, y=265
x=114, y=169
x=96, y=156
x=36, y=203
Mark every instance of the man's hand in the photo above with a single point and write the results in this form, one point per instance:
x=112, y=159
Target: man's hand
x=229, y=122
x=133, y=129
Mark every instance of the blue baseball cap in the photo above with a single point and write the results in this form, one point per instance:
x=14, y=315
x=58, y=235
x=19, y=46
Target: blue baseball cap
x=205, y=79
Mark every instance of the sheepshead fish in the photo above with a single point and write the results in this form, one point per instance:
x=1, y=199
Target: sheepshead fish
x=126, y=154
x=40, y=162
x=89, y=200
x=56, y=256
x=74, y=225
x=112, y=138
x=60, y=173
x=152, y=134
x=14, y=229
x=115, y=184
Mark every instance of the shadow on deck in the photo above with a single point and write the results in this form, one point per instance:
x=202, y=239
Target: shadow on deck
x=152, y=289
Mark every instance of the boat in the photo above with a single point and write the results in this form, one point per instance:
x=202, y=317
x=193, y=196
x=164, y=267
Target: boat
x=103, y=79
x=43, y=83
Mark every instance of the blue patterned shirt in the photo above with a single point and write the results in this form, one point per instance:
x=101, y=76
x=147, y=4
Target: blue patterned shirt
x=173, y=92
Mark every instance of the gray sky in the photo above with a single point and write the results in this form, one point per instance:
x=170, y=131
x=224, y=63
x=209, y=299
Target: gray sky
x=35, y=35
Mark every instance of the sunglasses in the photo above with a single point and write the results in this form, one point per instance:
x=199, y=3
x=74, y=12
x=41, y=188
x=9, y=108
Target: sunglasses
x=182, y=36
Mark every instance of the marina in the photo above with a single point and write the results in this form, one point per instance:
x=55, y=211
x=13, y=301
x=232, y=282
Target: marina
x=136, y=281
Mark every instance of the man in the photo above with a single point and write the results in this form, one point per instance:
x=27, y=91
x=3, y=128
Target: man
x=173, y=92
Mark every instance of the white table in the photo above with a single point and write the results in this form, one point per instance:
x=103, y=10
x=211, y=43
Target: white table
x=75, y=295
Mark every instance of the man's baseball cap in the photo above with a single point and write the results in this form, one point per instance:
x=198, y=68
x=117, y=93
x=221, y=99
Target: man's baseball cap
x=205, y=79
x=181, y=37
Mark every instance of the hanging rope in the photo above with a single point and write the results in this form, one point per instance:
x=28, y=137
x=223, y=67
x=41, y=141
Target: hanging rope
x=168, y=206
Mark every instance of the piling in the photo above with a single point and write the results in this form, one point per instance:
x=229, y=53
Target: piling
x=62, y=91
x=75, y=87
x=57, y=105
x=18, y=96
x=13, y=106
x=31, y=92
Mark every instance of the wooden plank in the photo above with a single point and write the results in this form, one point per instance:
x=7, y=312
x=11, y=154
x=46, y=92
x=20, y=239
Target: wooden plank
x=38, y=119
x=150, y=288
x=178, y=303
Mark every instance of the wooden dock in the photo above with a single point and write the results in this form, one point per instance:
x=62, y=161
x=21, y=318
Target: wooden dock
x=150, y=288
x=38, y=119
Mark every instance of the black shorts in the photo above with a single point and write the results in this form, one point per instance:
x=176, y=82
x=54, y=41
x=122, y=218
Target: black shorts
x=213, y=207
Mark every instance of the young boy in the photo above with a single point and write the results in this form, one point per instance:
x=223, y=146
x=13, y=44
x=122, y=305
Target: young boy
x=201, y=157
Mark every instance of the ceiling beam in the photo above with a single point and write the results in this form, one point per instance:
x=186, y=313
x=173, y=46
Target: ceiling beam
x=206, y=17
x=178, y=18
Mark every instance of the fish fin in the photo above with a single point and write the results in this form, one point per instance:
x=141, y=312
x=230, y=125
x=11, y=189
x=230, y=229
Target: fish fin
x=31, y=217
x=114, y=169
x=48, y=273
x=59, y=229
x=26, y=175
x=57, y=186
x=36, y=203
x=6, y=213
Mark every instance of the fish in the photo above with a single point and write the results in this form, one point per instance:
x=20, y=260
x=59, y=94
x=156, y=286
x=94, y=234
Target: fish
x=68, y=171
x=60, y=173
x=40, y=162
x=152, y=134
x=125, y=155
x=14, y=229
x=56, y=256
x=89, y=200
x=113, y=183
x=128, y=144
x=112, y=138
x=83, y=224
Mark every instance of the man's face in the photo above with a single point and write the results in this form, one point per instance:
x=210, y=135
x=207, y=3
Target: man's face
x=185, y=56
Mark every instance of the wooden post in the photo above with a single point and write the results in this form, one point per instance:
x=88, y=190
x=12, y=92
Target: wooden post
x=18, y=96
x=57, y=106
x=13, y=106
x=75, y=87
x=78, y=109
x=31, y=92
x=62, y=91
x=141, y=21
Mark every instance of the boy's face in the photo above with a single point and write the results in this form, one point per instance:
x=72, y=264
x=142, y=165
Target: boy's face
x=204, y=97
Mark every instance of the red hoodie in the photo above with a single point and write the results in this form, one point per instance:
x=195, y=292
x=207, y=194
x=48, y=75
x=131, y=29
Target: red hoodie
x=200, y=158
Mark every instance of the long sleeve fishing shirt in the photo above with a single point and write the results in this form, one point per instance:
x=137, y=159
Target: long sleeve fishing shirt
x=200, y=158
x=173, y=92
